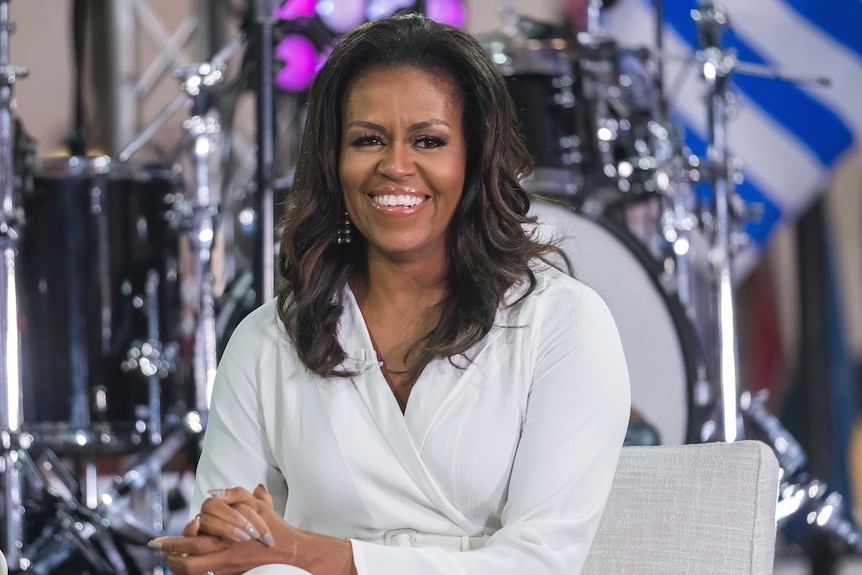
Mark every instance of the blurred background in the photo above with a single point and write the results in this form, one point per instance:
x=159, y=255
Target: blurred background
x=705, y=157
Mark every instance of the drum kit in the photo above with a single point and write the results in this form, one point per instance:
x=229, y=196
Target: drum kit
x=109, y=334
x=615, y=185
x=107, y=287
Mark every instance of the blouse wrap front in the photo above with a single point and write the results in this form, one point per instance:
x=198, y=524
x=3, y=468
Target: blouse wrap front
x=518, y=440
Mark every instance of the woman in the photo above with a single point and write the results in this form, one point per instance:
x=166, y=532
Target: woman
x=425, y=382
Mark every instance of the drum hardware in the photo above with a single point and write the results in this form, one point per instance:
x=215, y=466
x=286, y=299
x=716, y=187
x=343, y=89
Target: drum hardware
x=802, y=498
x=100, y=531
x=678, y=218
x=543, y=86
x=197, y=217
x=264, y=262
x=723, y=212
x=152, y=360
x=594, y=13
x=623, y=100
x=11, y=220
x=716, y=70
x=799, y=494
x=101, y=275
x=97, y=526
x=206, y=138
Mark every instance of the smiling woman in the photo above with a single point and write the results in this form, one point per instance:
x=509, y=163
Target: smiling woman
x=402, y=164
x=428, y=394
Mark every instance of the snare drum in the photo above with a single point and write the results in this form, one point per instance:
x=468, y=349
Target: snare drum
x=98, y=276
x=660, y=344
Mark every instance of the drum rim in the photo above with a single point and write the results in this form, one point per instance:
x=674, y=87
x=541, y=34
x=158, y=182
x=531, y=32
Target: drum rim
x=72, y=167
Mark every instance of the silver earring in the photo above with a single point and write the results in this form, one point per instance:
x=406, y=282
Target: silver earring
x=344, y=235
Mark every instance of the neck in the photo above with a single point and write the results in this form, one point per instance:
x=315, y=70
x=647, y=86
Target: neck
x=414, y=282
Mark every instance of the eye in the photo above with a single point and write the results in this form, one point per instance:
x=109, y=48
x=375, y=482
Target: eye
x=367, y=140
x=430, y=142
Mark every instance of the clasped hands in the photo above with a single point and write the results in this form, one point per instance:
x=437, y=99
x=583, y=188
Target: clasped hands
x=234, y=532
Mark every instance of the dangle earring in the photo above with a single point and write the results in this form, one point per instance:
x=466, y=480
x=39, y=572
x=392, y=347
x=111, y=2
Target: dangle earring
x=344, y=235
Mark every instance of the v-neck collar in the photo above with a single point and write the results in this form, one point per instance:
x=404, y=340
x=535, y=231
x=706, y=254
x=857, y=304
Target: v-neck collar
x=405, y=433
x=433, y=392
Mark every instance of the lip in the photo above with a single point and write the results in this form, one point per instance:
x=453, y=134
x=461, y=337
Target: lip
x=399, y=193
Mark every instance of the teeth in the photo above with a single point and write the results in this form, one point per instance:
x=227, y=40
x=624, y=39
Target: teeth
x=400, y=200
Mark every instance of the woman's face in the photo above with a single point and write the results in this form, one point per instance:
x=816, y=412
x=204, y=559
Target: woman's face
x=402, y=161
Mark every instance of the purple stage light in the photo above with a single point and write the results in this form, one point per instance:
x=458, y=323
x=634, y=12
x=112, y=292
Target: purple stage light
x=293, y=9
x=341, y=15
x=300, y=62
x=378, y=9
x=446, y=11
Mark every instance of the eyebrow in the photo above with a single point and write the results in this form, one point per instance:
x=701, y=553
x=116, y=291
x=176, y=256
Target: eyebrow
x=413, y=127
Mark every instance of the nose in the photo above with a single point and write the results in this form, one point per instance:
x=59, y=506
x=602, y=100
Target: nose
x=397, y=161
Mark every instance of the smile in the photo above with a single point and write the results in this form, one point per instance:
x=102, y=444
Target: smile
x=399, y=200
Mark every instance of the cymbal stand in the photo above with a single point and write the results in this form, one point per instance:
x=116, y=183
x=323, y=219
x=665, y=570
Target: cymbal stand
x=200, y=216
x=717, y=66
x=800, y=494
x=11, y=220
x=197, y=216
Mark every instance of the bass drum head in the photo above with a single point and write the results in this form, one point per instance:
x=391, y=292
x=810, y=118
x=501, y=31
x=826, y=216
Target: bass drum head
x=654, y=331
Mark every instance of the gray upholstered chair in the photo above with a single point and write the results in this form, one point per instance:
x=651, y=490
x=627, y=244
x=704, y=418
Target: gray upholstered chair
x=704, y=509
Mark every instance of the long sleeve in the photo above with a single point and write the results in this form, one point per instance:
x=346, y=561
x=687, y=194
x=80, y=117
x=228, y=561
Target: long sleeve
x=236, y=450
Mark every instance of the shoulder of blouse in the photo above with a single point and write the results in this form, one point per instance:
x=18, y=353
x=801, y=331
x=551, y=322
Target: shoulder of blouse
x=548, y=279
x=556, y=295
x=260, y=326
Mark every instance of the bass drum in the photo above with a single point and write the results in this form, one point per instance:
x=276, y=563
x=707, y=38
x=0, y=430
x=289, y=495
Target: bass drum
x=659, y=342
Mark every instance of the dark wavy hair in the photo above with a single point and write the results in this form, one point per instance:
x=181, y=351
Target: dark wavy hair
x=488, y=248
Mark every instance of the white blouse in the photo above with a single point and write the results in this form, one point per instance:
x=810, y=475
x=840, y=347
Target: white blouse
x=519, y=440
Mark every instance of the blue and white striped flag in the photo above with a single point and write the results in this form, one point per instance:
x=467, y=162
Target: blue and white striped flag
x=789, y=136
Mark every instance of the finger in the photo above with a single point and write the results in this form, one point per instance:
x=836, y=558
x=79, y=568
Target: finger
x=191, y=565
x=231, y=494
x=191, y=546
x=177, y=564
x=261, y=493
x=239, y=522
x=193, y=526
x=257, y=525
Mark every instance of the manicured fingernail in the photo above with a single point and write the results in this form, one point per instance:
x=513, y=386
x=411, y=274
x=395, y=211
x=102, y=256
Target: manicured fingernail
x=241, y=535
x=268, y=540
x=252, y=531
x=154, y=544
x=262, y=486
x=216, y=492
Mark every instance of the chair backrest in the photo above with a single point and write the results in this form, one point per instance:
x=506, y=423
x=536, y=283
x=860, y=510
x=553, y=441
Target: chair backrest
x=706, y=509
